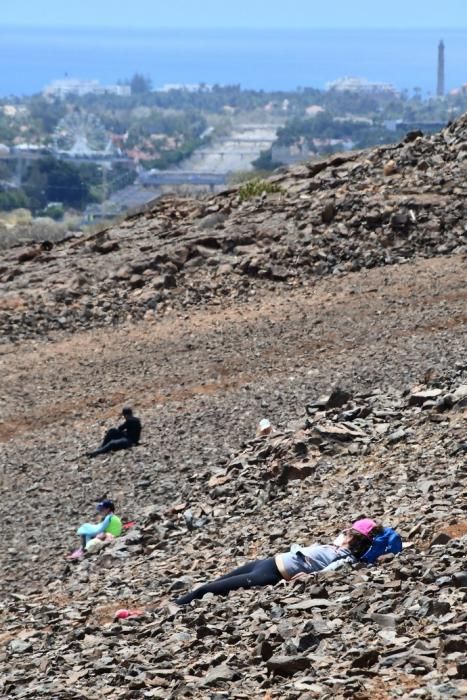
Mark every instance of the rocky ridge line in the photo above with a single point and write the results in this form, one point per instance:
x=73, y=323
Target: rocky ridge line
x=346, y=213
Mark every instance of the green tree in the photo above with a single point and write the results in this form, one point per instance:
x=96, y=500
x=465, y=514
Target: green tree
x=35, y=187
x=264, y=162
x=13, y=199
x=7, y=130
x=51, y=180
x=54, y=211
x=140, y=84
x=46, y=113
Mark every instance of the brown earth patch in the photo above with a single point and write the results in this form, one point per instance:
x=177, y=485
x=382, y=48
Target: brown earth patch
x=456, y=530
x=215, y=351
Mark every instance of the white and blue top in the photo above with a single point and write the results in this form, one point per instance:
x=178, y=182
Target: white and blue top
x=307, y=560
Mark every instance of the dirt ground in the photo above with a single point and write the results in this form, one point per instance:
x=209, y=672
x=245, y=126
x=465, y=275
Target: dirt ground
x=380, y=327
x=201, y=382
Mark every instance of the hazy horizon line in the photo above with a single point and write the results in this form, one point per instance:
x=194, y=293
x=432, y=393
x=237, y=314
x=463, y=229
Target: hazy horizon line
x=231, y=28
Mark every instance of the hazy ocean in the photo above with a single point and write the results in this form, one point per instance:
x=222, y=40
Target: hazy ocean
x=29, y=59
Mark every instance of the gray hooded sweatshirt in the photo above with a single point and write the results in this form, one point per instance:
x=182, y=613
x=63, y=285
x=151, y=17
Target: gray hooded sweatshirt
x=307, y=560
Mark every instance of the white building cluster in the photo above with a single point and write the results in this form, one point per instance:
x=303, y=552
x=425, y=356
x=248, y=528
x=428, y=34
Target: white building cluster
x=361, y=85
x=73, y=86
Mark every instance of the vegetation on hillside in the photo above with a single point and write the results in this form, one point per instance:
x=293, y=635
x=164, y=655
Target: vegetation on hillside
x=257, y=187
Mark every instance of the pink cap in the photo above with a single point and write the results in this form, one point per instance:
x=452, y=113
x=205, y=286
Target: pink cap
x=364, y=526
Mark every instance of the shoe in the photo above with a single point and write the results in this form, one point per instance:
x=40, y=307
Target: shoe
x=181, y=601
x=77, y=554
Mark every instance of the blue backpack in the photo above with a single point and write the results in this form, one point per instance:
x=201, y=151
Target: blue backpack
x=388, y=542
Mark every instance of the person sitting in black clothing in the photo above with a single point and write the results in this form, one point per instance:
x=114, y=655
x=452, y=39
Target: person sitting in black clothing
x=126, y=435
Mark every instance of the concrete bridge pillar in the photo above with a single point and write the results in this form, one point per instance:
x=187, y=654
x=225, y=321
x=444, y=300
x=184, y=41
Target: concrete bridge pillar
x=19, y=170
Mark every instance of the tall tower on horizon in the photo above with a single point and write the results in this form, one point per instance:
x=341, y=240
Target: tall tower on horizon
x=440, y=84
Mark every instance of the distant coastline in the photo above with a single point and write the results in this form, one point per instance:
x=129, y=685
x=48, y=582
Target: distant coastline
x=272, y=59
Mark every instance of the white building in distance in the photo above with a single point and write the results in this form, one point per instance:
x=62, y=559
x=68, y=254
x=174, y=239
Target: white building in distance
x=73, y=86
x=361, y=85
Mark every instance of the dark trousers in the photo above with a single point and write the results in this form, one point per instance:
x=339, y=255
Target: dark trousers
x=262, y=572
x=113, y=440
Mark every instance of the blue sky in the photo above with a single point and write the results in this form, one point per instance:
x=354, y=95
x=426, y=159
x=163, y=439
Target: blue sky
x=236, y=13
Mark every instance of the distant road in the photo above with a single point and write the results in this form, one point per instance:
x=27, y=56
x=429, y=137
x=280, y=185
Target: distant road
x=212, y=165
x=233, y=153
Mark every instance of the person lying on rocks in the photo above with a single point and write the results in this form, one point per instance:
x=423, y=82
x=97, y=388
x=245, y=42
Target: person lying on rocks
x=106, y=530
x=349, y=546
x=126, y=435
x=382, y=540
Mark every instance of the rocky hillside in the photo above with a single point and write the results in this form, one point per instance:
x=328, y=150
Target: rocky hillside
x=345, y=213
x=393, y=630
x=334, y=306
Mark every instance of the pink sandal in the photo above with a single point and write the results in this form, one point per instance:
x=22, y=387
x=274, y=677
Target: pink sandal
x=77, y=554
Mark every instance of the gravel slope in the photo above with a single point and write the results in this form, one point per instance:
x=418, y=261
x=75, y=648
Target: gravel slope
x=201, y=372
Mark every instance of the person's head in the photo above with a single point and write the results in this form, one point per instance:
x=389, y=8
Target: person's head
x=105, y=507
x=368, y=528
x=359, y=536
x=127, y=412
x=358, y=543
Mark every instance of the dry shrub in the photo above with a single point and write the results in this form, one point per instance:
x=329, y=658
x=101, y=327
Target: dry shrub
x=19, y=217
x=46, y=229
x=19, y=227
